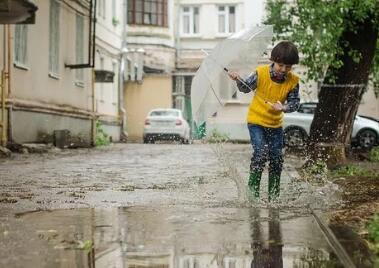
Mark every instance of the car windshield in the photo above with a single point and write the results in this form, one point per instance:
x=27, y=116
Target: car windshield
x=164, y=113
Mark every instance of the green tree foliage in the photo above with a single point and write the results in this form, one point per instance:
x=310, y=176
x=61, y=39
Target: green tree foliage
x=339, y=43
x=317, y=26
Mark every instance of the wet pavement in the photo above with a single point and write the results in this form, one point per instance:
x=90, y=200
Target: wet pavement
x=165, y=237
x=160, y=205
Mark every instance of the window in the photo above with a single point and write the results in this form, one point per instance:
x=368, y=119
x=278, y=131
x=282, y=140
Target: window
x=190, y=20
x=54, y=38
x=114, y=9
x=20, y=44
x=114, y=84
x=147, y=12
x=79, y=75
x=178, y=85
x=182, y=85
x=182, y=91
x=102, y=84
x=101, y=11
x=189, y=262
x=179, y=103
x=226, y=19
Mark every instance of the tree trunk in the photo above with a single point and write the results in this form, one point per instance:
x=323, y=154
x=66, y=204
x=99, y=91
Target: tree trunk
x=338, y=101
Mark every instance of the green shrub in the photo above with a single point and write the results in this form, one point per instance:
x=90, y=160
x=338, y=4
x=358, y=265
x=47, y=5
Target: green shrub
x=350, y=170
x=316, y=172
x=319, y=167
x=102, y=138
x=374, y=154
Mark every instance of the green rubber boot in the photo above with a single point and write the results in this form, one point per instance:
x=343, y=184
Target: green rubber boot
x=254, y=183
x=273, y=187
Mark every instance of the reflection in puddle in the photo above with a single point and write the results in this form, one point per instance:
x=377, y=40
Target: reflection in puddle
x=172, y=237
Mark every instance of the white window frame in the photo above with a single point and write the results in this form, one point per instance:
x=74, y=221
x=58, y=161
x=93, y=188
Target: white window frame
x=115, y=83
x=21, y=45
x=114, y=9
x=179, y=103
x=190, y=14
x=101, y=9
x=227, y=22
x=54, y=31
x=79, y=49
x=102, y=64
x=179, y=88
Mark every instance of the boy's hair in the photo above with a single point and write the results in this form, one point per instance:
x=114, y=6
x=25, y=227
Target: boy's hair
x=285, y=52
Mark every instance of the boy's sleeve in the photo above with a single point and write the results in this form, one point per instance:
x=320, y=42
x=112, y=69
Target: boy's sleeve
x=293, y=100
x=251, y=81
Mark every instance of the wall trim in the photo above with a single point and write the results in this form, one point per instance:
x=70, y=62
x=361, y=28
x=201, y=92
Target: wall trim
x=39, y=107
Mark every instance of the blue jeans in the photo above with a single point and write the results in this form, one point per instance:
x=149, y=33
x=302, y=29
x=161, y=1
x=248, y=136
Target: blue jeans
x=267, y=144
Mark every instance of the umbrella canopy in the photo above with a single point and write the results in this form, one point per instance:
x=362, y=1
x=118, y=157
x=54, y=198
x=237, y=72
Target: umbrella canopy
x=211, y=86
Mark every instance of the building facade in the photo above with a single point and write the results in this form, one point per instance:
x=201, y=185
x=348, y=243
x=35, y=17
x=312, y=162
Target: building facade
x=44, y=97
x=150, y=62
x=62, y=73
x=202, y=25
x=110, y=29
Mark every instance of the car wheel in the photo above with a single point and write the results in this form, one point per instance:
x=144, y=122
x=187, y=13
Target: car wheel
x=367, y=138
x=294, y=137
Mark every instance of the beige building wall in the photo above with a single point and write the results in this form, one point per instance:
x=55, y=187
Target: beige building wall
x=109, y=27
x=42, y=102
x=154, y=92
x=33, y=82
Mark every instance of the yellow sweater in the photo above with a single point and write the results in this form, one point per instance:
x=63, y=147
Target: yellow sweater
x=262, y=113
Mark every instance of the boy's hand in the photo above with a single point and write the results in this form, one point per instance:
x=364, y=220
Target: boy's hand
x=234, y=75
x=278, y=106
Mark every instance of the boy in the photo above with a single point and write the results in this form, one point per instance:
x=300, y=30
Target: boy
x=277, y=91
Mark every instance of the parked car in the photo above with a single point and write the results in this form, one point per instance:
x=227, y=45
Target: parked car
x=297, y=127
x=166, y=124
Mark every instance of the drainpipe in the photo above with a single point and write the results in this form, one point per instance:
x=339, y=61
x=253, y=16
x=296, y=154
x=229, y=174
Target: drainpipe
x=9, y=125
x=124, y=50
x=3, y=81
x=177, y=32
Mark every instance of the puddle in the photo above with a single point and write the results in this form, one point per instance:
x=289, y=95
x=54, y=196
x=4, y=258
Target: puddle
x=183, y=237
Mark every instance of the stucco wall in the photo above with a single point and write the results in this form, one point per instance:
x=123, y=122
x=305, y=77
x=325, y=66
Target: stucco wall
x=112, y=130
x=34, y=83
x=39, y=127
x=154, y=92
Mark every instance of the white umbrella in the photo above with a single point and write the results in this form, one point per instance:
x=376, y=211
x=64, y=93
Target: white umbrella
x=211, y=86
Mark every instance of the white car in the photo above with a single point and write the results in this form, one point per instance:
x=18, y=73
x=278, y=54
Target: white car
x=166, y=124
x=297, y=127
